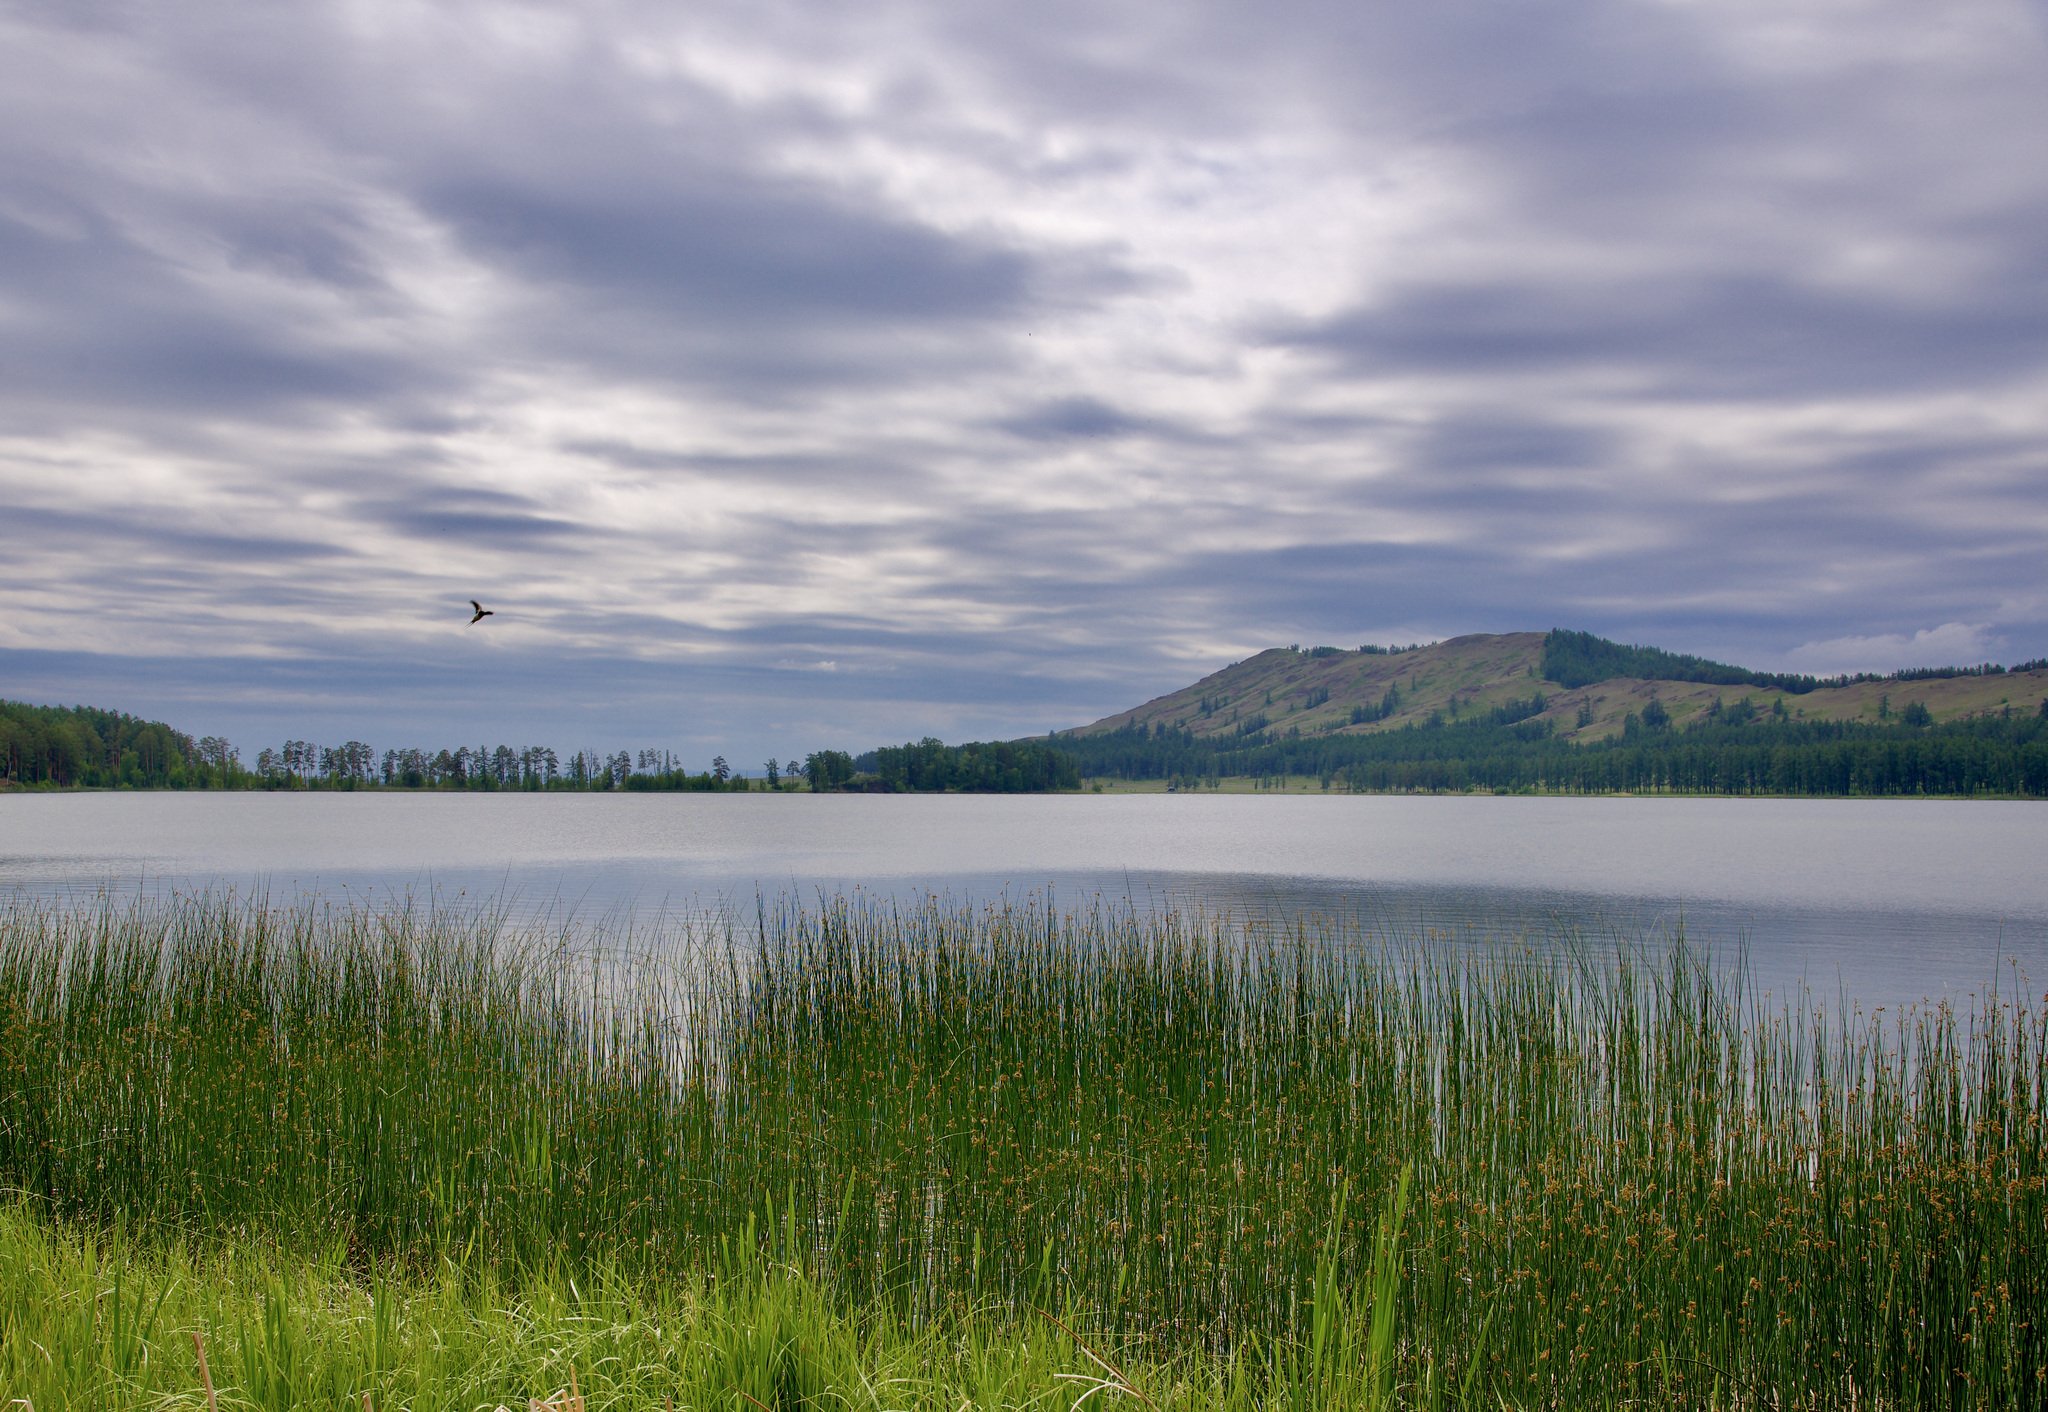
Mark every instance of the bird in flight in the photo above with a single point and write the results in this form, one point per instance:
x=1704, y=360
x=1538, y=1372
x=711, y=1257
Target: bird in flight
x=481, y=612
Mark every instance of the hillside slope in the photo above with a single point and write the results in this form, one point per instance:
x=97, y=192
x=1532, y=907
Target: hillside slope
x=1334, y=691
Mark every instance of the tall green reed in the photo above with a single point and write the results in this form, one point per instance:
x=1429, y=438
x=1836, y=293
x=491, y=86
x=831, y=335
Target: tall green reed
x=1632, y=1178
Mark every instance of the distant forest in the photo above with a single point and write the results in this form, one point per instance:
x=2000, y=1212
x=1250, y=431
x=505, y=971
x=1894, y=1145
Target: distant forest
x=1574, y=659
x=1000, y=767
x=79, y=747
x=82, y=746
x=1735, y=750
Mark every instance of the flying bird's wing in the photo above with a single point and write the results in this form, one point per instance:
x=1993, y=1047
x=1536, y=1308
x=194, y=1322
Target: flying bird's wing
x=476, y=605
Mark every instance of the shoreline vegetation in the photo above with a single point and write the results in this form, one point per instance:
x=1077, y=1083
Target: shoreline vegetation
x=941, y=1155
x=1998, y=758
x=2004, y=757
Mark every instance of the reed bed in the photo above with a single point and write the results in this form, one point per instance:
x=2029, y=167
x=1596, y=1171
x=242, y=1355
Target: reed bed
x=1632, y=1181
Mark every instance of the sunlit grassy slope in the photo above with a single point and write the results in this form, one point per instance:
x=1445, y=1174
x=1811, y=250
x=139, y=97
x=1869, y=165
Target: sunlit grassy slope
x=1316, y=691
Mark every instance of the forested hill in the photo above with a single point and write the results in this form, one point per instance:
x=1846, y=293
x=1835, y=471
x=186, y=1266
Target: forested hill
x=1583, y=687
x=1570, y=711
x=84, y=746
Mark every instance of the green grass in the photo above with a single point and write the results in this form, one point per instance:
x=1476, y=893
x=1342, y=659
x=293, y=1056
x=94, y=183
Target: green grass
x=1630, y=1181
x=104, y=1320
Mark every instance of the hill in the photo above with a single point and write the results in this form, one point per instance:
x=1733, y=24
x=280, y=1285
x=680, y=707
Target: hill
x=1584, y=688
x=1567, y=712
x=73, y=746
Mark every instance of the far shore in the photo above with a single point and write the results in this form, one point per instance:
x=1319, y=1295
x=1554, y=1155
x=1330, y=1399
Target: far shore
x=1233, y=784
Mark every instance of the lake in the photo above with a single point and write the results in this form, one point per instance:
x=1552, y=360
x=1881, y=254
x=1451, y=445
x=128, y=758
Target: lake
x=1878, y=902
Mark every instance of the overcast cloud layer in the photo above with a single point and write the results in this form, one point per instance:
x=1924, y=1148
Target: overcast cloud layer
x=791, y=375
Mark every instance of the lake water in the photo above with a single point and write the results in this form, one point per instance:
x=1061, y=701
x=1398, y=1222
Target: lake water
x=1875, y=901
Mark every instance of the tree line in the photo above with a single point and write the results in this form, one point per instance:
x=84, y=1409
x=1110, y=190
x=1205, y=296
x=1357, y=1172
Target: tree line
x=301, y=764
x=1575, y=659
x=72, y=747
x=1733, y=751
x=929, y=765
x=982, y=767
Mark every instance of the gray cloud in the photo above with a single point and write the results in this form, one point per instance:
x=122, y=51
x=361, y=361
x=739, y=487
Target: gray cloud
x=1749, y=336
x=735, y=247
x=83, y=532
x=1491, y=441
x=1073, y=417
x=97, y=321
x=720, y=277
x=490, y=517
x=781, y=473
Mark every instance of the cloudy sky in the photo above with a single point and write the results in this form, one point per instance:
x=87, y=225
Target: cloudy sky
x=790, y=374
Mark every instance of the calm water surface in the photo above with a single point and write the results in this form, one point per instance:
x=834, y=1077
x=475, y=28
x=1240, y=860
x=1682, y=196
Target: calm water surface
x=1879, y=901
